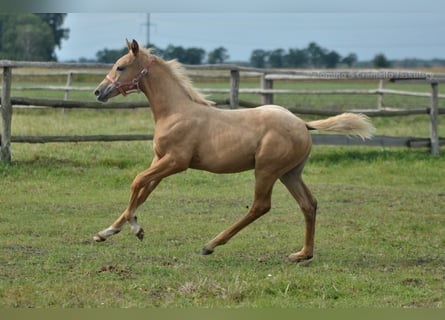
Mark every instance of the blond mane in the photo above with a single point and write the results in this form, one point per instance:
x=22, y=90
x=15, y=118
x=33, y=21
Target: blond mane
x=178, y=72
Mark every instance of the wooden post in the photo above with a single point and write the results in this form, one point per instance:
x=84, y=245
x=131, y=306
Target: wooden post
x=434, y=115
x=267, y=98
x=380, y=95
x=5, y=145
x=234, y=89
x=69, y=80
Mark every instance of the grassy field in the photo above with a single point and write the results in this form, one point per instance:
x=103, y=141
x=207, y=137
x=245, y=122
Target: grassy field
x=379, y=241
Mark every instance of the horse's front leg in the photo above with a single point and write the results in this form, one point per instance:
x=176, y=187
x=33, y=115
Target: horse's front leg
x=142, y=186
x=126, y=216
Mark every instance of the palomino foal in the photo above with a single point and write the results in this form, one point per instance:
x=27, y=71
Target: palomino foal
x=190, y=133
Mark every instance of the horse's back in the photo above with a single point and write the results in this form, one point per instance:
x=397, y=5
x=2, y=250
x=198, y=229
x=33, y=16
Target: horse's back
x=264, y=114
x=281, y=119
x=259, y=121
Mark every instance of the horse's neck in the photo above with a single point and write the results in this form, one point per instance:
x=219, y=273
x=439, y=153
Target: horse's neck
x=164, y=93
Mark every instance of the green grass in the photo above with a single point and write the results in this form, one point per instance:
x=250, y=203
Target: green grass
x=379, y=240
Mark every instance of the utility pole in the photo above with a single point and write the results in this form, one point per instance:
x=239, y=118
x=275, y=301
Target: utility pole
x=148, y=29
x=148, y=25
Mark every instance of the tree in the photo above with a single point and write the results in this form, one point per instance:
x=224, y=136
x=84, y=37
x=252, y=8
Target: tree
x=110, y=56
x=31, y=36
x=174, y=52
x=331, y=59
x=55, y=21
x=296, y=58
x=380, y=61
x=193, y=56
x=276, y=58
x=26, y=37
x=316, y=54
x=350, y=60
x=188, y=56
x=258, y=58
x=218, y=55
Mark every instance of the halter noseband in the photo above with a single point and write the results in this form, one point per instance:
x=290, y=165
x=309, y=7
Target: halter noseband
x=128, y=87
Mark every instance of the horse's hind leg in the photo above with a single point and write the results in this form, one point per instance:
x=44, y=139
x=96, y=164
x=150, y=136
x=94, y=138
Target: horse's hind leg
x=260, y=206
x=308, y=204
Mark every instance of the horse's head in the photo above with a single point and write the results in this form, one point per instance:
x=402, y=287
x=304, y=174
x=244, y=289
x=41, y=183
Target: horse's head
x=125, y=74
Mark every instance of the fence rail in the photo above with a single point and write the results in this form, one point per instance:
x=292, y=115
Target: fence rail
x=317, y=139
x=236, y=74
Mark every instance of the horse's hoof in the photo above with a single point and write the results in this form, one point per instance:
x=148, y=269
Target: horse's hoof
x=300, y=259
x=99, y=238
x=140, y=234
x=206, y=252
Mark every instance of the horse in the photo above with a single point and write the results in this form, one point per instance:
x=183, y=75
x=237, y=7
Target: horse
x=191, y=133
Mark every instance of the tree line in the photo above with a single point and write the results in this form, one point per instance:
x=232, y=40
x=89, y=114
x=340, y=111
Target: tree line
x=313, y=56
x=192, y=55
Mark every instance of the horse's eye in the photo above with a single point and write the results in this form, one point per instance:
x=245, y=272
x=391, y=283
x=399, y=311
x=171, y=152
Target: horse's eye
x=120, y=68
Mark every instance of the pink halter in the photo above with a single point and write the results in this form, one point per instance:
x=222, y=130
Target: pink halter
x=130, y=86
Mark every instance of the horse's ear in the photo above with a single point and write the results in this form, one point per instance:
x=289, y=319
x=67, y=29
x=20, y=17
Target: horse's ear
x=128, y=44
x=134, y=47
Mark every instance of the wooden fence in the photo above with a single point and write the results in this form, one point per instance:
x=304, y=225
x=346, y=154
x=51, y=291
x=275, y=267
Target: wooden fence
x=235, y=74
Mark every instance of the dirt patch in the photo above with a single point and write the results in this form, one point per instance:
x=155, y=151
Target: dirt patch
x=122, y=271
x=413, y=282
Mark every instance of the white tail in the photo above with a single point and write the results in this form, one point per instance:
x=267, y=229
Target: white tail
x=347, y=123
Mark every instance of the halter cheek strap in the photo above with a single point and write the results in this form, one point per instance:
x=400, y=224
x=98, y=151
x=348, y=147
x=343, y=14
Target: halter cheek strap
x=117, y=84
x=128, y=87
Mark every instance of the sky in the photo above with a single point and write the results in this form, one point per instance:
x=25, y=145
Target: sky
x=399, y=29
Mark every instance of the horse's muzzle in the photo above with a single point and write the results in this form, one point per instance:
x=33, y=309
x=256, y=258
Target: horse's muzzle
x=103, y=92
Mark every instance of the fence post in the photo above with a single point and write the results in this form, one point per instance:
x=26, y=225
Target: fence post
x=380, y=95
x=69, y=80
x=267, y=98
x=5, y=145
x=434, y=115
x=234, y=89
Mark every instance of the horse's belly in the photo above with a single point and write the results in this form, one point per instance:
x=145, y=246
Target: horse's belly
x=219, y=162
